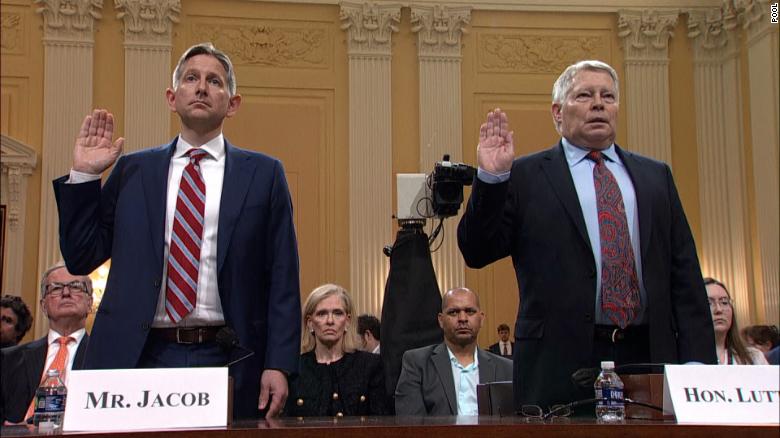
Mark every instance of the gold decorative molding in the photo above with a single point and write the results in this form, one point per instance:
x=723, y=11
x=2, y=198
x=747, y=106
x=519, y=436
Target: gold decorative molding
x=754, y=16
x=645, y=33
x=268, y=44
x=534, y=54
x=439, y=29
x=369, y=26
x=148, y=21
x=11, y=34
x=713, y=32
x=69, y=20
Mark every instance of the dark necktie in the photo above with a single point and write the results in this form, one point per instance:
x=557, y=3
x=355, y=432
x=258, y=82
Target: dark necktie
x=184, y=258
x=619, y=283
x=503, y=349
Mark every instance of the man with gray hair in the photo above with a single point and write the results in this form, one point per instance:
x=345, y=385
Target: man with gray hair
x=604, y=257
x=201, y=240
x=66, y=300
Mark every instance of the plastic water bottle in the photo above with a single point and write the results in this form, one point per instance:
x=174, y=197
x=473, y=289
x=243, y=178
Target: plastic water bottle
x=50, y=402
x=609, y=387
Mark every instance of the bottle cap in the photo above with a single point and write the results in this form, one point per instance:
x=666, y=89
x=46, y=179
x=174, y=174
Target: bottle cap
x=607, y=365
x=53, y=372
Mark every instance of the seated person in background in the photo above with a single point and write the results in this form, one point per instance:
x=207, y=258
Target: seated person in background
x=369, y=331
x=334, y=379
x=763, y=337
x=503, y=347
x=66, y=300
x=729, y=346
x=15, y=320
x=442, y=379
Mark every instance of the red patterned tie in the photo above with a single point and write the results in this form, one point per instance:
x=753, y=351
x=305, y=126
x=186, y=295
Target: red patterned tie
x=619, y=283
x=184, y=258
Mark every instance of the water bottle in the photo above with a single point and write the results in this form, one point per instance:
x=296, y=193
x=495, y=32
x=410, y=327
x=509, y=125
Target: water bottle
x=50, y=402
x=609, y=388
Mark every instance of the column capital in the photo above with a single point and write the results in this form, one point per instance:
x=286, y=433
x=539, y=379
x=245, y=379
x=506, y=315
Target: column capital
x=148, y=22
x=369, y=26
x=645, y=33
x=714, y=32
x=69, y=21
x=439, y=29
x=754, y=16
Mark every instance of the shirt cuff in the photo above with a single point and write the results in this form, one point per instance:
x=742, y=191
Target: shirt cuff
x=77, y=177
x=490, y=178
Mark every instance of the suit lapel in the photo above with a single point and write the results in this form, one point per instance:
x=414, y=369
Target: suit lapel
x=78, y=360
x=441, y=360
x=487, y=368
x=155, y=183
x=35, y=356
x=556, y=168
x=642, y=193
x=238, y=175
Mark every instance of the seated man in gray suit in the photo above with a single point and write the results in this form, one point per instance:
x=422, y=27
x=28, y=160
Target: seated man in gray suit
x=442, y=379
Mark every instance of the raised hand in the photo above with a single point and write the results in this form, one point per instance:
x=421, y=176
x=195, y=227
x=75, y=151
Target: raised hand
x=496, y=149
x=95, y=150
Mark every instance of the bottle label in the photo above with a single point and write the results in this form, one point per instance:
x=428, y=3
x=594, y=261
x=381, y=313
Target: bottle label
x=50, y=403
x=610, y=396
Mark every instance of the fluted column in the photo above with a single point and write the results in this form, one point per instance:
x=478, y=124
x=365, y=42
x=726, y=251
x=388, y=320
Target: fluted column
x=369, y=28
x=147, y=27
x=723, y=189
x=645, y=37
x=439, y=30
x=762, y=43
x=67, y=84
x=17, y=164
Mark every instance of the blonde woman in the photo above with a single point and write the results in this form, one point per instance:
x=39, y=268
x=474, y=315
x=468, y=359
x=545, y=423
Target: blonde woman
x=334, y=378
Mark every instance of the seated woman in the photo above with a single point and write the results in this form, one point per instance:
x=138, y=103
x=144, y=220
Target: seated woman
x=763, y=337
x=334, y=379
x=729, y=346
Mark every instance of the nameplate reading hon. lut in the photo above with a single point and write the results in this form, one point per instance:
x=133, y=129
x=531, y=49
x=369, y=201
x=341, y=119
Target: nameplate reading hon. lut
x=139, y=399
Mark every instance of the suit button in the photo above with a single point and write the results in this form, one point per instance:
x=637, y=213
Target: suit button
x=339, y=414
x=144, y=326
x=588, y=317
x=362, y=398
x=299, y=402
x=335, y=396
x=156, y=284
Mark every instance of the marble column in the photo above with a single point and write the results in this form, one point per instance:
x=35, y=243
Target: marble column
x=645, y=39
x=68, y=40
x=762, y=46
x=723, y=189
x=369, y=28
x=148, y=25
x=439, y=29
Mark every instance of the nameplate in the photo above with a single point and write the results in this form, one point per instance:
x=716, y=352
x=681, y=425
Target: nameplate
x=142, y=399
x=723, y=394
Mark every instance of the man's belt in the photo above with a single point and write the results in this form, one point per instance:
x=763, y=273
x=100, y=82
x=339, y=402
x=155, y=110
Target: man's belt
x=615, y=334
x=187, y=335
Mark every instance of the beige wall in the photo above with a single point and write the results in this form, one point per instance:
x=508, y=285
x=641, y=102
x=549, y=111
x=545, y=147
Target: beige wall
x=292, y=67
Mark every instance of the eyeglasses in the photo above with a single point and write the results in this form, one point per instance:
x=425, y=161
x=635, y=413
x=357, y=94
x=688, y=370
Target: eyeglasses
x=723, y=302
x=558, y=411
x=75, y=287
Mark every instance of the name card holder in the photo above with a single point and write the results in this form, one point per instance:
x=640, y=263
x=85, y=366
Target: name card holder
x=723, y=394
x=144, y=399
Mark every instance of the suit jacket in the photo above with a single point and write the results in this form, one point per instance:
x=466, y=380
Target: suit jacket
x=22, y=368
x=536, y=218
x=257, y=259
x=496, y=349
x=426, y=385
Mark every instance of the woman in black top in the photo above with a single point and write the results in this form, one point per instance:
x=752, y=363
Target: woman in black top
x=334, y=379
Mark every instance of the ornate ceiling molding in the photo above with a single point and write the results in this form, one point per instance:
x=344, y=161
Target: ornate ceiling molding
x=69, y=20
x=645, y=33
x=713, y=32
x=148, y=21
x=370, y=26
x=754, y=16
x=439, y=29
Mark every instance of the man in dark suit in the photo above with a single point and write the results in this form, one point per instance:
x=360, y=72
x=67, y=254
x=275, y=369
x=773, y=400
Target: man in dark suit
x=599, y=278
x=426, y=385
x=201, y=240
x=503, y=347
x=66, y=300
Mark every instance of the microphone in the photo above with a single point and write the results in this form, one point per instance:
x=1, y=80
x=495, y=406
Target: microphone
x=228, y=340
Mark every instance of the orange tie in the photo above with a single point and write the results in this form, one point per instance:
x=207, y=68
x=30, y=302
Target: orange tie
x=60, y=359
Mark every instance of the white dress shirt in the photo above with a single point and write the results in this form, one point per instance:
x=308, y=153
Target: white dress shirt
x=54, y=347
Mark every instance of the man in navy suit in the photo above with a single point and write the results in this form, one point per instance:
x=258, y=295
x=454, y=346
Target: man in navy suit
x=241, y=265
x=545, y=210
x=66, y=300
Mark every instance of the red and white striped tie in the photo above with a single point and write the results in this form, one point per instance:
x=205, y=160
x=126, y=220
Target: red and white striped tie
x=184, y=257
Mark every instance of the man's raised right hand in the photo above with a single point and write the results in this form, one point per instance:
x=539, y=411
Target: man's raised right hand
x=94, y=151
x=496, y=149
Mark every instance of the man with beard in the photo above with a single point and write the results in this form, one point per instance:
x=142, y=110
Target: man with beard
x=441, y=379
